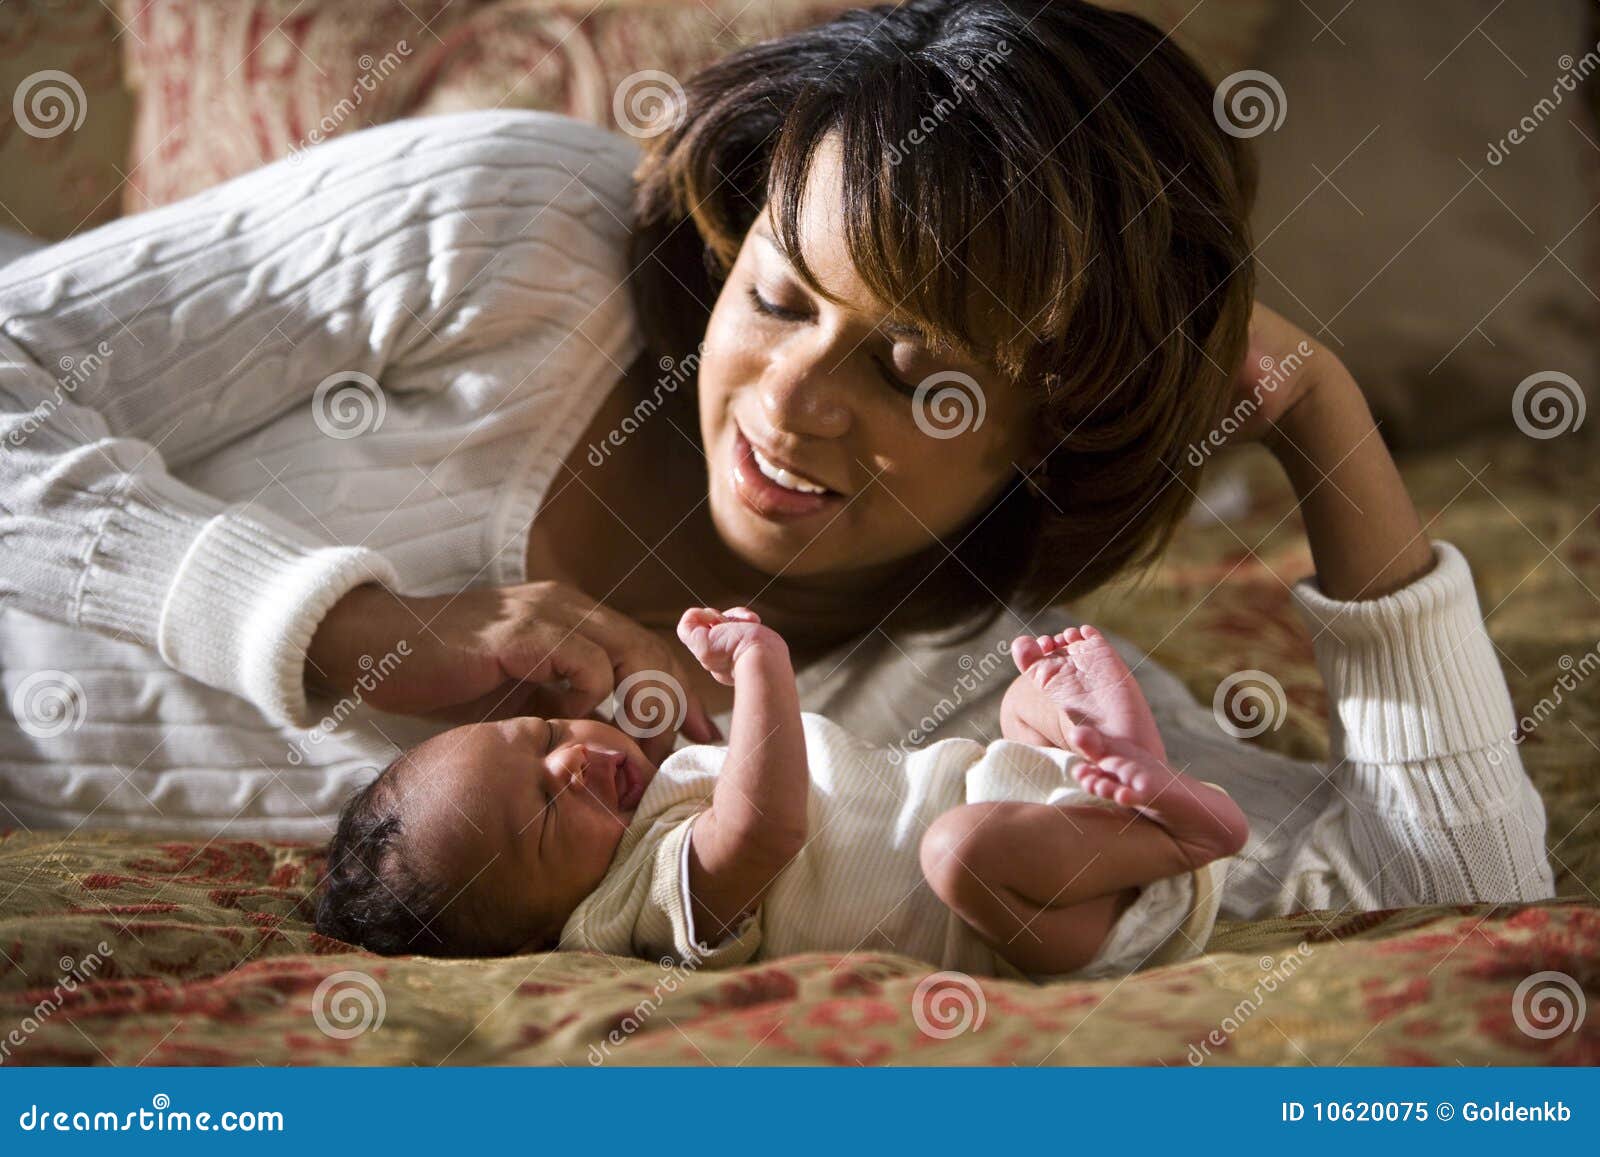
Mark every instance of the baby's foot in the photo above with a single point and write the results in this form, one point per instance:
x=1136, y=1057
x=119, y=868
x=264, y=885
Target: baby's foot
x=1082, y=675
x=1204, y=822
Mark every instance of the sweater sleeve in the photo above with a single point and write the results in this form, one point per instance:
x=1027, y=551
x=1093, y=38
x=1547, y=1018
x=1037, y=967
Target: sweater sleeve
x=1431, y=804
x=130, y=352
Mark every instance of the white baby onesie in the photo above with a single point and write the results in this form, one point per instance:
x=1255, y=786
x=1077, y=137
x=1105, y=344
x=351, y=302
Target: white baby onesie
x=858, y=883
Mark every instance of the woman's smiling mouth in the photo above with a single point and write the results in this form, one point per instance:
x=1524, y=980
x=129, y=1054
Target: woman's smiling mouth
x=772, y=490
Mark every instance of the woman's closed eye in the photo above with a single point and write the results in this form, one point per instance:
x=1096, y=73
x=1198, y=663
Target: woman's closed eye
x=762, y=305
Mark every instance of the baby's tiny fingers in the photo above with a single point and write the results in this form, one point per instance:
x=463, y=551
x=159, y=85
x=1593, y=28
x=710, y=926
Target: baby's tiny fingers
x=742, y=614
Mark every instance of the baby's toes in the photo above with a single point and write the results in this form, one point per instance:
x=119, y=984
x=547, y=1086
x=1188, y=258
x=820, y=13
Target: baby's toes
x=1025, y=652
x=1104, y=786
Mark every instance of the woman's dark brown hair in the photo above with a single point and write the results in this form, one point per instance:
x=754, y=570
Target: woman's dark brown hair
x=1053, y=165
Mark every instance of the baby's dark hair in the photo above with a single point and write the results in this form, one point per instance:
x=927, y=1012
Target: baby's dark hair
x=372, y=894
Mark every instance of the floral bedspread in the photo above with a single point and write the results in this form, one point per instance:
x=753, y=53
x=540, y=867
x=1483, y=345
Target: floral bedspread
x=118, y=949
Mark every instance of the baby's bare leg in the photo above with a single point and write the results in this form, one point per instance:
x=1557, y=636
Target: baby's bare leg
x=1043, y=884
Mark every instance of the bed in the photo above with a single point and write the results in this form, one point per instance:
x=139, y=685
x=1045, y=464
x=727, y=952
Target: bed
x=126, y=950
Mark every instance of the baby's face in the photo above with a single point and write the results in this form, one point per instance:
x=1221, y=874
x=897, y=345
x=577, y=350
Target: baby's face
x=525, y=812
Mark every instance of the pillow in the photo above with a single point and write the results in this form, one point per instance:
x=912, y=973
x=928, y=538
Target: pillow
x=226, y=85
x=59, y=161
x=1403, y=222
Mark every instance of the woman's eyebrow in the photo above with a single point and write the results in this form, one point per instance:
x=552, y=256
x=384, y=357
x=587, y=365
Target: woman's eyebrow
x=888, y=326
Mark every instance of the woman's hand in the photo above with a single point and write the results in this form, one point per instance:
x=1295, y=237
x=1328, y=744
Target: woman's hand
x=1281, y=369
x=1298, y=399
x=494, y=653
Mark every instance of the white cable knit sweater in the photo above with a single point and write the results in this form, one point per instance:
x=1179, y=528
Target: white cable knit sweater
x=176, y=521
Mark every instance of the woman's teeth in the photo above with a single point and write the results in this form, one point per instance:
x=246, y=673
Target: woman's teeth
x=783, y=477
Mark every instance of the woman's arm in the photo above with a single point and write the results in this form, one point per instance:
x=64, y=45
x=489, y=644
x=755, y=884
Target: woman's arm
x=1365, y=536
x=407, y=254
x=1431, y=803
x=145, y=344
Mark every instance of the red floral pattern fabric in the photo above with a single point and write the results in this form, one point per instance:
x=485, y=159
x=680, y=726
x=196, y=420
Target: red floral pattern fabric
x=126, y=950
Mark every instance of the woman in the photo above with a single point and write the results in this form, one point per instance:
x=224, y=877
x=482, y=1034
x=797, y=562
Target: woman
x=589, y=401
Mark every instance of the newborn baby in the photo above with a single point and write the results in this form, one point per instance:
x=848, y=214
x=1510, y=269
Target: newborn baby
x=1068, y=847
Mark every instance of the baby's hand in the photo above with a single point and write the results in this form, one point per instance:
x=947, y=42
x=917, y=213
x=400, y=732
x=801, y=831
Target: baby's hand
x=719, y=638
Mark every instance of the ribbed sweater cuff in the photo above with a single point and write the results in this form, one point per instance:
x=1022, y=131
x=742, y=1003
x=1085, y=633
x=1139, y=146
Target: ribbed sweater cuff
x=1411, y=675
x=228, y=597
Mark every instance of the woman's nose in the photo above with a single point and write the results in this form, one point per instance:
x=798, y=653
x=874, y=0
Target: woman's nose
x=799, y=396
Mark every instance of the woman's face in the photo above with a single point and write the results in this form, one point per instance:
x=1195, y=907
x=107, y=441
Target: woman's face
x=823, y=456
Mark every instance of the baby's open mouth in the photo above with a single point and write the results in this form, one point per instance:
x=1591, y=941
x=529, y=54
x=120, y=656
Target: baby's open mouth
x=631, y=782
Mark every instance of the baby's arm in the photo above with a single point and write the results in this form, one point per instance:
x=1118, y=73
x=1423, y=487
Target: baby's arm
x=757, y=820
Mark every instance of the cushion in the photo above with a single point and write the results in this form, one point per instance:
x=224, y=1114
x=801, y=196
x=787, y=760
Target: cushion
x=61, y=162
x=226, y=85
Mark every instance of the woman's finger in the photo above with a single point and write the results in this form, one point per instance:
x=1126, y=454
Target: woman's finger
x=698, y=726
x=546, y=654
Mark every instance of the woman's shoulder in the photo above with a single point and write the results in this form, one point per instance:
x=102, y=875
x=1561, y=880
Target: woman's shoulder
x=501, y=177
x=491, y=140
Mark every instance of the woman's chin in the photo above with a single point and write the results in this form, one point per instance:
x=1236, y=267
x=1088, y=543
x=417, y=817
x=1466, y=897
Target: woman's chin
x=773, y=548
